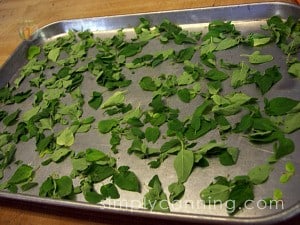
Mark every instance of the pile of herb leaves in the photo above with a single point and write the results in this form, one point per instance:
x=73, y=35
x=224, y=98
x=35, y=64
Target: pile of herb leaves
x=59, y=73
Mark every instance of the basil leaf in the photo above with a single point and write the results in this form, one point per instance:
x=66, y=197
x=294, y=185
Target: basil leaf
x=215, y=194
x=266, y=81
x=176, y=191
x=11, y=119
x=66, y=138
x=126, y=179
x=294, y=69
x=183, y=164
x=227, y=43
x=110, y=191
x=147, y=84
x=216, y=75
x=105, y=126
x=156, y=199
x=229, y=157
x=291, y=122
x=54, y=54
x=152, y=134
x=257, y=58
x=96, y=100
x=239, y=194
x=116, y=99
x=259, y=174
x=33, y=51
x=98, y=173
x=60, y=154
x=279, y=106
x=284, y=147
x=64, y=186
x=185, y=54
x=22, y=96
x=184, y=95
x=23, y=173
x=94, y=155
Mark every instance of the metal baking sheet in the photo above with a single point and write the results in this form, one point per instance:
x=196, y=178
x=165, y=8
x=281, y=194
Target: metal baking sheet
x=247, y=18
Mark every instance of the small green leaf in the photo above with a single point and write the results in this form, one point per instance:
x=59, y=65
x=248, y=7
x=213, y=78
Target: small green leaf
x=126, y=180
x=66, y=138
x=176, y=191
x=183, y=164
x=291, y=122
x=238, y=196
x=284, y=147
x=227, y=43
x=148, y=84
x=184, y=95
x=11, y=119
x=216, y=75
x=33, y=51
x=156, y=199
x=28, y=186
x=294, y=69
x=23, y=173
x=277, y=194
x=116, y=99
x=105, y=126
x=54, y=54
x=64, y=186
x=60, y=154
x=152, y=134
x=215, y=194
x=98, y=173
x=279, y=106
x=96, y=100
x=260, y=174
x=257, y=58
x=110, y=191
x=94, y=155
x=93, y=197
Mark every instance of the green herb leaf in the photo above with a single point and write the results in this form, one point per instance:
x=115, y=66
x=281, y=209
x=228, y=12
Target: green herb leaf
x=110, y=191
x=239, y=76
x=116, y=99
x=257, y=58
x=294, y=69
x=240, y=193
x=94, y=155
x=11, y=119
x=216, y=75
x=289, y=172
x=60, y=154
x=183, y=164
x=33, y=51
x=96, y=100
x=64, y=186
x=66, y=138
x=259, y=174
x=148, y=84
x=22, y=174
x=291, y=122
x=105, y=126
x=266, y=81
x=227, y=43
x=215, y=194
x=280, y=106
x=54, y=54
x=152, y=134
x=126, y=179
x=176, y=191
x=284, y=147
x=156, y=199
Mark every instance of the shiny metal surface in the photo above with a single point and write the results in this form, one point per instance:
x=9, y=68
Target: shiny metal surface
x=247, y=18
